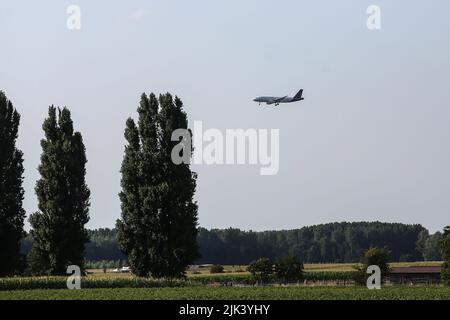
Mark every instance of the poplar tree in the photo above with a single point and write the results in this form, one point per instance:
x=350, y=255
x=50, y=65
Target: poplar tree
x=158, y=226
x=12, y=214
x=63, y=198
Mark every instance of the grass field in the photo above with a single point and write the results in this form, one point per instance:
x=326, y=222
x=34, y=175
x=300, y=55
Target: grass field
x=246, y=293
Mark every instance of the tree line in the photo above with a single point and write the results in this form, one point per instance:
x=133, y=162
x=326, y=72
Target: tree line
x=157, y=229
x=327, y=243
x=332, y=242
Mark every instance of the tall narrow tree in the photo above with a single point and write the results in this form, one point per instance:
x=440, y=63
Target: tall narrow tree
x=158, y=228
x=63, y=198
x=179, y=211
x=12, y=214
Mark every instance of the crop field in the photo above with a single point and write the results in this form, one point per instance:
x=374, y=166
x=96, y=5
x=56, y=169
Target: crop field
x=244, y=293
x=341, y=267
x=239, y=270
x=321, y=281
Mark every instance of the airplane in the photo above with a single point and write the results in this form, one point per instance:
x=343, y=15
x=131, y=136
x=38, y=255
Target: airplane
x=278, y=100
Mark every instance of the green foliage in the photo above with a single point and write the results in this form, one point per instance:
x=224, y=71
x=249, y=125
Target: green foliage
x=432, y=246
x=378, y=257
x=101, y=264
x=249, y=279
x=289, y=269
x=235, y=293
x=329, y=276
x=223, y=279
x=216, y=268
x=103, y=245
x=445, y=244
x=445, y=249
x=429, y=246
x=445, y=273
x=261, y=269
x=54, y=282
x=372, y=256
x=63, y=198
x=12, y=214
x=236, y=247
x=158, y=226
x=331, y=242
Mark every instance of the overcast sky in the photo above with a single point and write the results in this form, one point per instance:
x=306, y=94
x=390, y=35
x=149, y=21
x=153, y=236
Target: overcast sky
x=370, y=141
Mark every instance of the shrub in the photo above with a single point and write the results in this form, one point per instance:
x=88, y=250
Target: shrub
x=261, y=269
x=445, y=273
x=372, y=256
x=289, y=269
x=217, y=268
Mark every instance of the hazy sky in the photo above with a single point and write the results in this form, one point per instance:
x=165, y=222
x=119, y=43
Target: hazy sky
x=370, y=142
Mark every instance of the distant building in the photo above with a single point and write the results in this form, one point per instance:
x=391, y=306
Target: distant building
x=416, y=275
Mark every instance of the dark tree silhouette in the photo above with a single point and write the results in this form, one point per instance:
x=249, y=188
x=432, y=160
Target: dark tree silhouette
x=158, y=227
x=63, y=198
x=12, y=214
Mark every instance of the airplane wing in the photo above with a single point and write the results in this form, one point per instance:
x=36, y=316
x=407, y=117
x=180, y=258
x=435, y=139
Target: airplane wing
x=279, y=99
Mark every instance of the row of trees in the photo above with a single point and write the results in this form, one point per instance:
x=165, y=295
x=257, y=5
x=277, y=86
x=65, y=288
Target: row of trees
x=236, y=247
x=158, y=226
x=332, y=242
x=63, y=198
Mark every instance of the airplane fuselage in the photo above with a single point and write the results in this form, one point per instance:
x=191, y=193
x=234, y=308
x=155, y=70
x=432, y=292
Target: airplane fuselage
x=278, y=100
x=272, y=100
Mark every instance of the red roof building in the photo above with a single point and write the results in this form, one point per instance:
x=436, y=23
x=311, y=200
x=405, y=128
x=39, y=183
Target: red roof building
x=416, y=274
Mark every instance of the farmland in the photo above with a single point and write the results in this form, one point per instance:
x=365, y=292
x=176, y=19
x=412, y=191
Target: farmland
x=227, y=293
x=242, y=270
x=234, y=283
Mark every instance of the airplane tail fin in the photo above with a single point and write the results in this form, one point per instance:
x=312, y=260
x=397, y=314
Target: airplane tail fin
x=299, y=95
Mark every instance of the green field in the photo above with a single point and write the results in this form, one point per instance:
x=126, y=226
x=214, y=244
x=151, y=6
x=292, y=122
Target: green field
x=246, y=293
x=322, y=281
